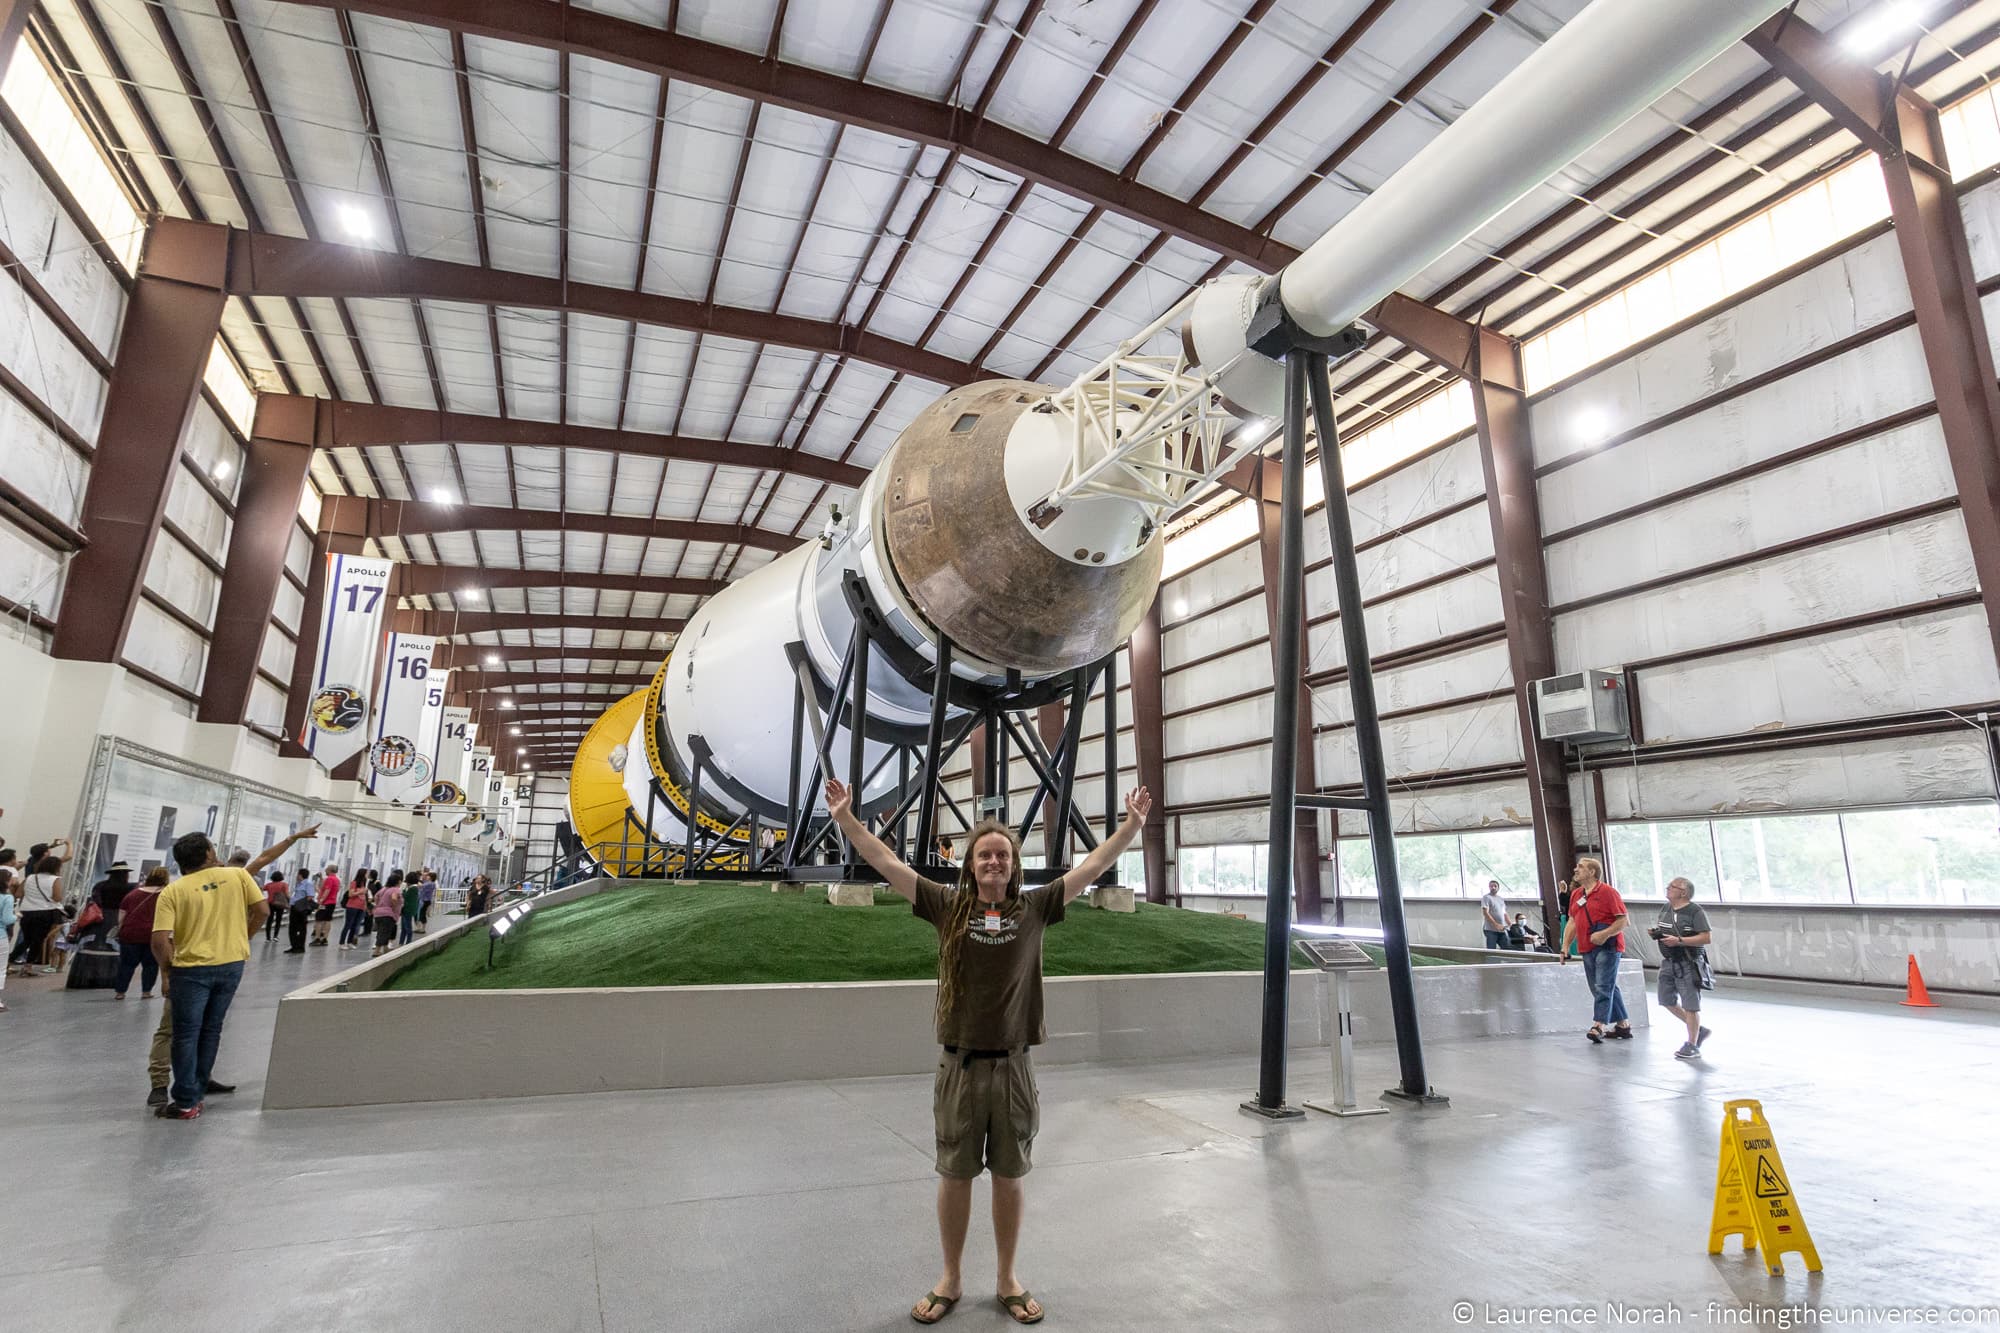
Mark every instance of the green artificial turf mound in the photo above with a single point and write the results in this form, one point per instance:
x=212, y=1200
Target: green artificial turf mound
x=734, y=934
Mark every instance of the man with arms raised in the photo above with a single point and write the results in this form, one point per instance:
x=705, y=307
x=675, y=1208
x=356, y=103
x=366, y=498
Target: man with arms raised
x=988, y=1013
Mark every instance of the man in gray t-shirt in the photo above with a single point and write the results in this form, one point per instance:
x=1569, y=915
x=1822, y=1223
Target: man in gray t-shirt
x=1493, y=915
x=1682, y=932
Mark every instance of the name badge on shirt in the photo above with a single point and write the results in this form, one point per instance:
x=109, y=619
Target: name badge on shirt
x=993, y=923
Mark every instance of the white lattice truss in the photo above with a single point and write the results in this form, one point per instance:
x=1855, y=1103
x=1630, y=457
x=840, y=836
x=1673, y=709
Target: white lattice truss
x=1150, y=429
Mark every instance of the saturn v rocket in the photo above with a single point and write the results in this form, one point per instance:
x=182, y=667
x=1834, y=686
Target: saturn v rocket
x=1024, y=523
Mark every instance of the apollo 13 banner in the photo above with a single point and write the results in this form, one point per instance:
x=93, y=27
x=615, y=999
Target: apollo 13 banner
x=343, y=679
x=449, y=764
x=396, y=759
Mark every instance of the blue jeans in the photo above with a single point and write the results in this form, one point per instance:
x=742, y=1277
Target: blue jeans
x=1497, y=939
x=1600, y=969
x=136, y=958
x=409, y=931
x=200, y=997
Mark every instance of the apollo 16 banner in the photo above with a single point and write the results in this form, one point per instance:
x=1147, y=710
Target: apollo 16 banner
x=396, y=758
x=350, y=630
x=447, y=798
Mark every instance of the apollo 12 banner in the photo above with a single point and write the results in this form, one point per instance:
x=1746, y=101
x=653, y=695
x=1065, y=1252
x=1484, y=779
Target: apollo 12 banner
x=350, y=631
x=396, y=759
x=454, y=746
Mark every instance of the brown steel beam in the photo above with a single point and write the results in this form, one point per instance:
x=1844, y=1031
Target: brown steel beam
x=13, y=22
x=1902, y=129
x=1491, y=366
x=293, y=267
x=488, y=681
x=1149, y=741
x=870, y=106
x=1265, y=492
x=415, y=580
x=1055, y=831
x=267, y=510
x=368, y=516
x=171, y=321
x=472, y=656
x=335, y=425
x=451, y=624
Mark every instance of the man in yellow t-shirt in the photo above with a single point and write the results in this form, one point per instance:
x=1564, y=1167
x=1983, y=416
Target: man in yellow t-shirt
x=201, y=934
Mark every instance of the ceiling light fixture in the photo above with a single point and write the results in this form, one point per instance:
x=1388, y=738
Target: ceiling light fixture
x=1180, y=608
x=1593, y=425
x=515, y=730
x=221, y=472
x=356, y=221
x=506, y=703
x=470, y=594
x=1869, y=36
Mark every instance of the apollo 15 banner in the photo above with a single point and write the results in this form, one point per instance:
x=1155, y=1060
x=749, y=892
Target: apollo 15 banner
x=343, y=679
x=396, y=759
x=429, y=725
x=448, y=765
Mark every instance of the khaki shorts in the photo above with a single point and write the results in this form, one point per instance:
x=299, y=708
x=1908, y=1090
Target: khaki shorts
x=987, y=1113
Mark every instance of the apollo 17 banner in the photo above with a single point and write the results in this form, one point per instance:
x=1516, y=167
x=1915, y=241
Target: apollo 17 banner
x=447, y=797
x=396, y=759
x=350, y=630
x=429, y=725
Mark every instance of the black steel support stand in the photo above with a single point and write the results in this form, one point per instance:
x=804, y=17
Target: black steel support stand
x=1367, y=741
x=699, y=757
x=1287, y=631
x=1307, y=389
x=1111, y=746
x=934, y=754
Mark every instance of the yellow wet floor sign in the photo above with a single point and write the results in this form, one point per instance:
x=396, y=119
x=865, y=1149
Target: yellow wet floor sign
x=1753, y=1195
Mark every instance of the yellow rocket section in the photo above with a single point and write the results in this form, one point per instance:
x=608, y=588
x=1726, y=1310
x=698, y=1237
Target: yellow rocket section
x=597, y=800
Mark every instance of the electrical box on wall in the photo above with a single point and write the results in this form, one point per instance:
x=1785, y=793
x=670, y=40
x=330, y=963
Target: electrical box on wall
x=1583, y=708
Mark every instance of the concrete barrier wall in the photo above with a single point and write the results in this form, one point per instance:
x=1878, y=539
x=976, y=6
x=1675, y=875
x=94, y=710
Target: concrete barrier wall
x=342, y=1044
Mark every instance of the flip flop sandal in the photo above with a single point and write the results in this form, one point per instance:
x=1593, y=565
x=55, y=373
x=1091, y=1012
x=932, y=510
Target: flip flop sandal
x=1622, y=1033
x=1017, y=1308
x=934, y=1302
x=1596, y=1035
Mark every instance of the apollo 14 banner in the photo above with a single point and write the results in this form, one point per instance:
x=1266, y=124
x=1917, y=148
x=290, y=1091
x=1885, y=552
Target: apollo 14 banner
x=343, y=679
x=396, y=759
x=448, y=764
x=429, y=727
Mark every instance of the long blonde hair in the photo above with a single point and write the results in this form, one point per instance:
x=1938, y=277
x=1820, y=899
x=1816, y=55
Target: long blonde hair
x=952, y=938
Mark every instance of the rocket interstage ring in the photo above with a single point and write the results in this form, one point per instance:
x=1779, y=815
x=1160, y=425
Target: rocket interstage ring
x=975, y=567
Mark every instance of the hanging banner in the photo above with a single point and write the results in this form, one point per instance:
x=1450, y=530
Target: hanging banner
x=395, y=756
x=357, y=596
x=429, y=727
x=500, y=809
x=454, y=743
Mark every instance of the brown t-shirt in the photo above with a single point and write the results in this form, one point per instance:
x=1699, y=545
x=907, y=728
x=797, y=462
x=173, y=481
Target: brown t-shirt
x=999, y=965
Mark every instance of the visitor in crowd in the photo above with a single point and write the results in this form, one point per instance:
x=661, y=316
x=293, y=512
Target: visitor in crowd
x=478, y=897
x=1493, y=915
x=8, y=917
x=107, y=893
x=328, y=900
x=944, y=850
x=388, y=907
x=201, y=936
x=10, y=870
x=41, y=911
x=240, y=860
x=1521, y=937
x=302, y=907
x=988, y=1014
x=135, y=940
x=426, y=891
x=354, y=929
x=278, y=894
x=413, y=901
x=1596, y=925
x=1683, y=934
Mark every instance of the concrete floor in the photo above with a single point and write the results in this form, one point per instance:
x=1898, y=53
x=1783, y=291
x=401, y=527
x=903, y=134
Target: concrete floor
x=1562, y=1174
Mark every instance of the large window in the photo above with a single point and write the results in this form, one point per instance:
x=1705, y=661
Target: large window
x=1934, y=856
x=1446, y=865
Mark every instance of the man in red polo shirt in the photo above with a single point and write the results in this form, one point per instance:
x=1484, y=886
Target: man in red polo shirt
x=1596, y=926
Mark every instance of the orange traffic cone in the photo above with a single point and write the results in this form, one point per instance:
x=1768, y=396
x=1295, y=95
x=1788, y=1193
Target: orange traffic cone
x=1915, y=996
